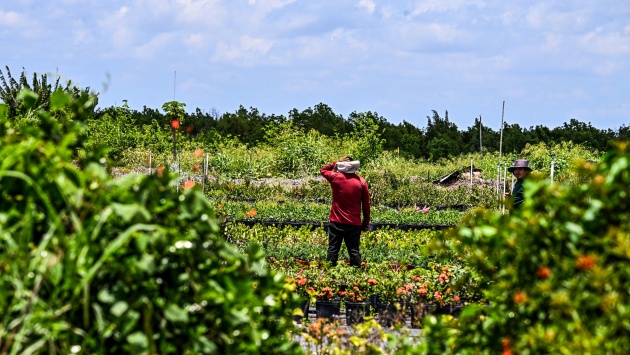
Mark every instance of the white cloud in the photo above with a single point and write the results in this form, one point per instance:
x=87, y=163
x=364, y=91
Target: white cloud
x=603, y=43
x=195, y=40
x=270, y=4
x=369, y=5
x=148, y=50
x=11, y=19
x=210, y=13
x=256, y=44
x=247, y=52
x=543, y=16
x=425, y=6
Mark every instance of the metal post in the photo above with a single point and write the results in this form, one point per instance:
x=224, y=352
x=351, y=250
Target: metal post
x=501, y=140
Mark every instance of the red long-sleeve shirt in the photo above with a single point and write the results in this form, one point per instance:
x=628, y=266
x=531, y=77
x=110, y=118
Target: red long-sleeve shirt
x=350, y=197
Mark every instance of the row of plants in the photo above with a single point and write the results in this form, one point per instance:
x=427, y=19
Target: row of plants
x=385, y=189
x=319, y=212
x=384, y=245
x=439, y=283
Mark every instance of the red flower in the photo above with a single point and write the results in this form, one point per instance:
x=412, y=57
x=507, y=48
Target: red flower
x=443, y=278
x=438, y=295
x=197, y=167
x=520, y=297
x=175, y=124
x=372, y=282
x=543, y=272
x=586, y=262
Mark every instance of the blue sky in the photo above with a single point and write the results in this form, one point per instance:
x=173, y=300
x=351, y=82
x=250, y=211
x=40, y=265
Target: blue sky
x=549, y=60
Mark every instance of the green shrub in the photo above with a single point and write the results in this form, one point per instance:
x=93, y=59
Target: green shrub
x=128, y=266
x=556, y=271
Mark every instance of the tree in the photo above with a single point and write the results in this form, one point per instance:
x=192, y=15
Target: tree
x=366, y=136
x=443, y=137
x=175, y=114
x=10, y=92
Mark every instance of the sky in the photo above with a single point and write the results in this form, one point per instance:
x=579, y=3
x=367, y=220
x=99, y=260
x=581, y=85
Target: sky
x=549, y=61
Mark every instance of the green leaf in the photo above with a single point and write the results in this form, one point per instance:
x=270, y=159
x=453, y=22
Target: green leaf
x=128, y=212
x=58, y=100
x=119, y=308
x=28, y=98
x=105, y=296
x=176, y=314
x=139, y=341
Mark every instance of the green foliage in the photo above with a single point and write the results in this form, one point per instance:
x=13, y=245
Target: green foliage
x=556, y=270
x=298, y=153
x=128, y=266
x=366, y=140
x=23, y=99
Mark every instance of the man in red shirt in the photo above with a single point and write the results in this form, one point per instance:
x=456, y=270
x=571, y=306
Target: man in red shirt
x=350, y=198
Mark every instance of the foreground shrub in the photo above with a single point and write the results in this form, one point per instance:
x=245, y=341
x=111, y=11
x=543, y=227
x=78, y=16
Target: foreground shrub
x=557, y=270
x=128, y=266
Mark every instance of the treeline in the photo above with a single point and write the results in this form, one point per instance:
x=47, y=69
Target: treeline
x=441, y=138
x=124, y=128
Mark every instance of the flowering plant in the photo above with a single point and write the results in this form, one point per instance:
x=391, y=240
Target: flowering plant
x=325, y=288
x=360, y=290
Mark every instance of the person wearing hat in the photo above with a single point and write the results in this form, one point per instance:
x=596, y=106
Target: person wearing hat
x=350, y=198
x=520, y=169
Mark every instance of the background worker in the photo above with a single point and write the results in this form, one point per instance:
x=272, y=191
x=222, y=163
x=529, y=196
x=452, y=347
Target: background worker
x=520, y=169
x=350, y=198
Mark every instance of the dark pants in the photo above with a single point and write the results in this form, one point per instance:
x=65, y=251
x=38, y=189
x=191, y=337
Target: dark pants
x=351, y=235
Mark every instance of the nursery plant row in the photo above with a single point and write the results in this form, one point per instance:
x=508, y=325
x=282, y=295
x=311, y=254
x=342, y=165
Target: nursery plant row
x=412, y=247
x=391, y=292
x=395, y=192
x=289, y=211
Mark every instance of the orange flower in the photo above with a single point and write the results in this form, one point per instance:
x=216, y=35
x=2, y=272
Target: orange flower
x=251, y=213
x=520, y=297
x=543, y=272
x=586, y=262
x=190, y=129
x=175, y=124
x=160, y=171
x=456, y=298
x=197, y=167
x=198, y=152
x=220, y=206
x=189, y=184
x=372, y=282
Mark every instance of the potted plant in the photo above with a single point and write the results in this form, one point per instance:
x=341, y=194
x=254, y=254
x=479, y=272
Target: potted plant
x=326, y=293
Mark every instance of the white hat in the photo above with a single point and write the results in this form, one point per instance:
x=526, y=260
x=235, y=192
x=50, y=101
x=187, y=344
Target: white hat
x=348, y=167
